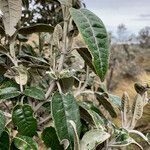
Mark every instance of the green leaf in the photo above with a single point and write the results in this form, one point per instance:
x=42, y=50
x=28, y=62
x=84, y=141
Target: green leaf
x=36, y=28
x=148, y=137
x=9, y=83
x=64, y=109
x=2, y=66
x=25, y=143
x=3, y=50
x=2, y=122
x=125, y=143
x=23, y=119
x=2, y=31
x=85, y=54
x=4, y=141
x=125, y=106
x=140, y=88
x=35, y=59
x=1, y=77
x=95, y=36
x=122, y=139
x=93, y=138
x=116, y=100
x=25, y=3
x=28, y=50
x=65, y=2
x=47, y=106
x=91, y=116
x=66, y=84
x=50, y=139
x=8, y=92
x=107, y=103
x=13, y=147
x=102, y=88
x=35, y=92
x=22, y=38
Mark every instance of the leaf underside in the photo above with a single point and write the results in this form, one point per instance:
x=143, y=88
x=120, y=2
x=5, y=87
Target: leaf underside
x=92, y=138
x=36, y=28
x=85, y=54
x=2, y=31
x=107, y=103
x=65, y=2
x=91, y=116
x=11, y=14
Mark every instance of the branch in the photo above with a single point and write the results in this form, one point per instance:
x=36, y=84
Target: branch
x=80, y=90
x=50, y=89
x=84, y=92
x=45, y=120
x=62, y=57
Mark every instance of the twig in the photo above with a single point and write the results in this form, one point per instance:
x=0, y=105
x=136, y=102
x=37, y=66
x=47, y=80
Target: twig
x=64, y=49
x=84, y=92
x=40, y=43
x=62, y=57
x=44, y=120
x=106, y=144
x=6, y=106
x=59, y=87
x=13, y=61
x=7, y=114
x=37, y=107
x=109, y=81
x=22, y=98
x=80, y=90
x=21, y=87
x=9, y=121
x=50, y=90
x=79, y=87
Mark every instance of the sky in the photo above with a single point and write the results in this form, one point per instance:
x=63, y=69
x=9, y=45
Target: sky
x=135, y=14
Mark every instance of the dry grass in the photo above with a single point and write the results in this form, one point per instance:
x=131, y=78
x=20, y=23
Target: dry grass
x=127, y=84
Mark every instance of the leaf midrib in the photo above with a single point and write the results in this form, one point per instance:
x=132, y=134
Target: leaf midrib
x=65, y=114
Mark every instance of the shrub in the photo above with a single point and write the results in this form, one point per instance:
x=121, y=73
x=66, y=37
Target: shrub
x=44, y=98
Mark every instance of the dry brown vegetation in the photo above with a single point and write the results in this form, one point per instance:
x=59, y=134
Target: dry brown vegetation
x=124, y=80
